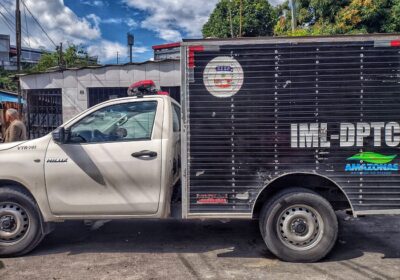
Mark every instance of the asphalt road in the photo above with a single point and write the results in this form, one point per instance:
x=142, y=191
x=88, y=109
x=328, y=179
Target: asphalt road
x=368, y=248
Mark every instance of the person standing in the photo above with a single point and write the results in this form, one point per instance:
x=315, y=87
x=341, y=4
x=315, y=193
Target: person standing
x=17, y=130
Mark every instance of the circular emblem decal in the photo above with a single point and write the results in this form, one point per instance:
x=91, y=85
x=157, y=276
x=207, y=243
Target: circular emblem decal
x=223, y=76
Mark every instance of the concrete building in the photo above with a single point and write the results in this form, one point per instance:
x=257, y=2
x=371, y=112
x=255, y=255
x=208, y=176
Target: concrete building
x=8, y=55
x=167, y=51
x=54, y=97
x=4, y=51
x=29, y=56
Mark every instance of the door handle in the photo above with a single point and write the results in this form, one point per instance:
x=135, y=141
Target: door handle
x=145, y=155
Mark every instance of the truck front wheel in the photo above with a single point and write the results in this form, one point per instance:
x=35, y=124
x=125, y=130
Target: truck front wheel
x=298, y=225
x=20, y=222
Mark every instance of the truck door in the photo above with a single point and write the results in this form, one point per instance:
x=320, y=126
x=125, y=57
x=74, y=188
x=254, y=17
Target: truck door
x=111, y=162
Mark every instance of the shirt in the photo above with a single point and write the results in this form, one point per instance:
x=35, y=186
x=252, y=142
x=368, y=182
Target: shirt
x=15, y=132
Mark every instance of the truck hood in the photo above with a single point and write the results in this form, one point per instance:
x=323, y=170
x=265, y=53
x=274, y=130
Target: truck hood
x=7, y=146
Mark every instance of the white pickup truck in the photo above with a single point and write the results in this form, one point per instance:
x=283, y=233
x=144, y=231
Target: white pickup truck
x=283, y=130
x=119, y=159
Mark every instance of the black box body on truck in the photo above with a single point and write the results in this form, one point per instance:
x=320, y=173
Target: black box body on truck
x=276, y=127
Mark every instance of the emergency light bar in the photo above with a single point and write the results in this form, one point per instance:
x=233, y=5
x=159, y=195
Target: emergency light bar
x=145, y=87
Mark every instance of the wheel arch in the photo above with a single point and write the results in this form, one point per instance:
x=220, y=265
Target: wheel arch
x=320, y=184
x=17, y=185
x=45, y=226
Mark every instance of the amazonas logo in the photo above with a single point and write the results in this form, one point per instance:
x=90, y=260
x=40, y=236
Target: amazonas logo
x=372, y=162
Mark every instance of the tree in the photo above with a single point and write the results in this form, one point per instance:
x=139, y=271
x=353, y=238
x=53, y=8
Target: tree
x=73, y=56
x=363, y=16
x=258, y=19
x=393, y=22
x=314, y=17
x=326, y=17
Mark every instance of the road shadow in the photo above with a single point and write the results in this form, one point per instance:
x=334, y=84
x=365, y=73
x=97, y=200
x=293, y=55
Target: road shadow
x=235, y=239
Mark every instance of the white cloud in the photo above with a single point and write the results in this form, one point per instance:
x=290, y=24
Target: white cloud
x=63, y=25
x=95, y=19
x=95, y=3
x=112, y=20
x=107, y=50
x=169, y=34
x=128, y=22
x=59, y=21
x=172, y=19
x=131, y=23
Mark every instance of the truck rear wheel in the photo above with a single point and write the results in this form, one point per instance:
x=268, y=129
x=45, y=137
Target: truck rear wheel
x=20, y=223
x=298, y=225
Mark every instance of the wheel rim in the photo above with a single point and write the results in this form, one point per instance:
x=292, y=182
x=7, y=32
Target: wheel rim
x=300, y=227
x=14, y=222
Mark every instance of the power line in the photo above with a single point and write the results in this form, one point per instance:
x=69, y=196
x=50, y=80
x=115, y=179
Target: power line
x=37, y=22
x=8, y=12
x=27, y=30
x=10, y=23
x=5, y=20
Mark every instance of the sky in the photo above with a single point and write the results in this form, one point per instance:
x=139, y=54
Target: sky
x=101, y=26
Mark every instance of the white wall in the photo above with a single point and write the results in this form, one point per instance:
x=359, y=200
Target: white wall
x=74, y=83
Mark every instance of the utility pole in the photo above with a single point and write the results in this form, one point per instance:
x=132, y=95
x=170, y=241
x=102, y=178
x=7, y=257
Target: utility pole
x=18, y=42
x=117, y=57
x=293, y=9
x=60, y=56
x=241, y=18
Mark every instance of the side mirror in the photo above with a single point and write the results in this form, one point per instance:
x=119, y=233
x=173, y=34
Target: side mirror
x=59, y=135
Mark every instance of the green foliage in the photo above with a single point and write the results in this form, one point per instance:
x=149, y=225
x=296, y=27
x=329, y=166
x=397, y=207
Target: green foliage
x=393, y=23
x=365, y=16
x=6, y=82
x=326, y=17
x=73, y=56
x=258, y=19
x=46, y=61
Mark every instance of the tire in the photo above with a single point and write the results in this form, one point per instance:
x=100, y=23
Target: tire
x=20, y=222
x=298, y=225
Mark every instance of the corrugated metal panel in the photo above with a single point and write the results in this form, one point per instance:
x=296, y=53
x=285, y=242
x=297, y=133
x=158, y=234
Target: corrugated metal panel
x=236, y=144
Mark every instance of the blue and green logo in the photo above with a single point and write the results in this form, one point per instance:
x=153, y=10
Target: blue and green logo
x=372, y=162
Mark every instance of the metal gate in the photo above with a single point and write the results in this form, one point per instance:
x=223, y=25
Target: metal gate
x=44, y=111
x=98, y=95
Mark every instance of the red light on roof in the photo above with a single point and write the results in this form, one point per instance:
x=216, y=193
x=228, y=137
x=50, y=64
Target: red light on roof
x=395, y=43
x=143, y=83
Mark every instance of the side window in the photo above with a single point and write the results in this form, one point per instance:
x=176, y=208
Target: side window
x=176, y=118
x=120, y=122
